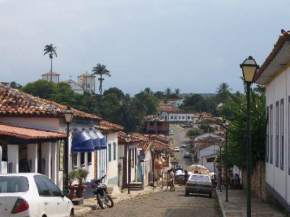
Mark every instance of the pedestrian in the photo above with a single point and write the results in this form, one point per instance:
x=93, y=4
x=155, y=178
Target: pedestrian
x=185, y=176
x=171, y=179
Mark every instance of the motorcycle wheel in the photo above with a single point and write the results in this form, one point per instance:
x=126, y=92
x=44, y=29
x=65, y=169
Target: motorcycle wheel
x=109, y=201
x=100, y=201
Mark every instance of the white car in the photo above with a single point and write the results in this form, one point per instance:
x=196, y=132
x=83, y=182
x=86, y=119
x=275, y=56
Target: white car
x=33, y=195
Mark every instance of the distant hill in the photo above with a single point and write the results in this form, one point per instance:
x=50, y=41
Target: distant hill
x=202, y=94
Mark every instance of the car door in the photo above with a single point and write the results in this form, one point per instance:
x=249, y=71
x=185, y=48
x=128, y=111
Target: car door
x=46, y=198
x=60, y=202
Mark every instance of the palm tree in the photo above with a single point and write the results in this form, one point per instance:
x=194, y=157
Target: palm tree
x=101, y=71
x=51, y=51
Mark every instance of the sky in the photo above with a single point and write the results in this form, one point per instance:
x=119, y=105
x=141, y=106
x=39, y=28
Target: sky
x=193, y=45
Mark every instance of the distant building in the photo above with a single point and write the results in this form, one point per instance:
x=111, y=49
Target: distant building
x=156, y=125
x=75, y=86
x=51, y=76
x=87, y=82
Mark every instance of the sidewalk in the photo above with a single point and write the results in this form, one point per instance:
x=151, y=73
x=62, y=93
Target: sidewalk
x=236, y=207
x=92, y=204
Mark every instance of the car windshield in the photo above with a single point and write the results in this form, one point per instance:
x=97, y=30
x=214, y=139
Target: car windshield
x=199, y=178
x=13, y=184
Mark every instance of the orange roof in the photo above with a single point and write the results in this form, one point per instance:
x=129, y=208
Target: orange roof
x=109, y=126
x=29, y=134
x=17, y=103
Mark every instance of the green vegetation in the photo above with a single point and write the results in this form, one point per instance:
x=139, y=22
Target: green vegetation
x=51, y=51
x=101, y=71
x=114, y=105
x=234, y=110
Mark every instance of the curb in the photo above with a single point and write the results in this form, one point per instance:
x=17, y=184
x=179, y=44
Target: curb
x=220, y=203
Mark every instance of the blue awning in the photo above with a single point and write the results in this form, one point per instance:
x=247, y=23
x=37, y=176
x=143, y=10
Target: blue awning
x=82, y=142
x=96, y=140
x=102, y=138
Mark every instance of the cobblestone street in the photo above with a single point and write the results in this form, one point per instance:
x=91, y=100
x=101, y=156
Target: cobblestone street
x=163, y=204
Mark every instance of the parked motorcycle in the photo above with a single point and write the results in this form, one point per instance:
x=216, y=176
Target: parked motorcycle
x=101, y=192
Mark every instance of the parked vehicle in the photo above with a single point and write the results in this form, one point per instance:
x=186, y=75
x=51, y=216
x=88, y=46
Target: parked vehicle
x=101, y=192
x=199, y=183
x=33, y=195
x=183, y=146
x=176, y=149
x=187, y=155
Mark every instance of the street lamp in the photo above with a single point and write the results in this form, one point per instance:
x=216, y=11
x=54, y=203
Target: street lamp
x=249, y=68
x=68, y=116
x=153, y=165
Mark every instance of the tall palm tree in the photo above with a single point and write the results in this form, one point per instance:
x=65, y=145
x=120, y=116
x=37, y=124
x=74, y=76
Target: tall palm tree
x=51, y=51
x=101, y=71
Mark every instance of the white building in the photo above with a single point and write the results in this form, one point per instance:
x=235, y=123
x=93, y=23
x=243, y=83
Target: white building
x=206, y=149
x=39, y=129
x=107, y=162
x=87, y=82
x=51, y=76
x=274, y=74
x=177, y=117
x=75, y=86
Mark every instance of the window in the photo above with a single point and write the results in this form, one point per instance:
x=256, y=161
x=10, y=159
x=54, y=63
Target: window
x=271, y=134
x=268, y=135
x=82, y=158
x=89, y=157
x=110, y=152
x=46, y=187
x=75, y=159
x=42, y=186
x=54, y=190
x=277, y=136
x=13, y=184
x=281, y=130
x=115, y=151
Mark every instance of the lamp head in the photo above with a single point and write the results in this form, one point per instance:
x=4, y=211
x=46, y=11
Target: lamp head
x=249, y=68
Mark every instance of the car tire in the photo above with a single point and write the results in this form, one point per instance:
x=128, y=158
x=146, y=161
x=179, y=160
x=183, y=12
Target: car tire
x=186, y=193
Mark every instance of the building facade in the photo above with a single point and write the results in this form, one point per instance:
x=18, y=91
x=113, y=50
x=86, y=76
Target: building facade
x=274, y=74
x=51, y=76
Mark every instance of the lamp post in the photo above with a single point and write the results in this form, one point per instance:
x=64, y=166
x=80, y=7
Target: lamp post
x=68, y=116
x=153, y=165
x=249, y=68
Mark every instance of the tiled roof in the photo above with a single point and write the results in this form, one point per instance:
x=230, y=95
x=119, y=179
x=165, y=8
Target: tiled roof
x=159, y=143
x=28, y=134
x=109, y=126
x=17, y=103
x=277, y=47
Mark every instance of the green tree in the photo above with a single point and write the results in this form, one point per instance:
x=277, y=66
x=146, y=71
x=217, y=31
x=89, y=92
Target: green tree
x=101, y=71
x=237, y=128
x=51, y=51
x=41, y=88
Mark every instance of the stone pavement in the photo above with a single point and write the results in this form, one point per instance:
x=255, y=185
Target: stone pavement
x=236, y=207
x=92, y=204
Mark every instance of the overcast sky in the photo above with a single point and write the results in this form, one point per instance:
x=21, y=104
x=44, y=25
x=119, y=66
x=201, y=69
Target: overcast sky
x=193, y=45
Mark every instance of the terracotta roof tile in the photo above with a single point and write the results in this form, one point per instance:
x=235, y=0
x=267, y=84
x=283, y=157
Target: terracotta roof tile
x=109, y=126
x=17, y=103
x=28, y=134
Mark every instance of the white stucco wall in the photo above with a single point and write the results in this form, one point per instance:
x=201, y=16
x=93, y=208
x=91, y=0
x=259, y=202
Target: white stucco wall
x=276, y=177
x=112, y=169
